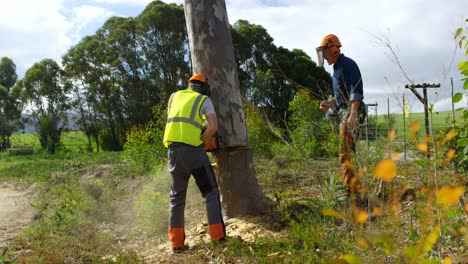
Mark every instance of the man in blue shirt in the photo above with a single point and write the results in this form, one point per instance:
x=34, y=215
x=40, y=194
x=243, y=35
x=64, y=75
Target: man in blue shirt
x=348, y=96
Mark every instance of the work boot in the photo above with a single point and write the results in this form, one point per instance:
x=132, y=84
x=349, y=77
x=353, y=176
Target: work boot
x=179, y=250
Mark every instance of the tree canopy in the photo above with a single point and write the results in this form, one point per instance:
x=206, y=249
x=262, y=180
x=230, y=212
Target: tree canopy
x=115, y=77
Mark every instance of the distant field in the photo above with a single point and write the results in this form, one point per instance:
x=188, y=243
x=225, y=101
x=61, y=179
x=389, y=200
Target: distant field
x=439, y=121
x=73, y=140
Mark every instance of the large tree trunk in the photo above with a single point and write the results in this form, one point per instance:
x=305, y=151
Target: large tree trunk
x=213, y=55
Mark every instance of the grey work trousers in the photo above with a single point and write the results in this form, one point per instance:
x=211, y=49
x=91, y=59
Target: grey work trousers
x=186, y=160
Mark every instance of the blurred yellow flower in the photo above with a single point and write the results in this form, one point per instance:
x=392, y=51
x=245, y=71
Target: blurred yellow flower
x=452, y=133
x=377, y=211
x=361, y=216
x=414, y=127
x=449, y=195
x=363, y=243
x=450, y=154
x=422, y=147
x=391, y=134
x=385, y=170
x=447, y=260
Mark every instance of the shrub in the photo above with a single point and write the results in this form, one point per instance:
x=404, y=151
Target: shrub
x=460, y=142
x=144, y=148
x=260, y=135
x=310, y=133
x=49, y=134
x=108, y=141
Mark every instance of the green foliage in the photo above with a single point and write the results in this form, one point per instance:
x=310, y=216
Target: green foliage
x=310, y=132
x=144, y=148
x=4, y=259
x=10, y=102
x=270, y=76
x=46, y=91
x=260, y=135
x=8, y=74
x=108, y=140
x=460, y=142
x=128, y=66
x=49, y=135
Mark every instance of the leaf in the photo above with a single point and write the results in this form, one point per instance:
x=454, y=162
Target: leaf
x=462, y=65
x=449, y=195
x=457, y=97
x=431, y=239
x=385, y=170
x=309, y=201
x=411, y=251
x=363, y=243
x=333, y=213
x=352, y=259
x=465, y=84
x=458, y=32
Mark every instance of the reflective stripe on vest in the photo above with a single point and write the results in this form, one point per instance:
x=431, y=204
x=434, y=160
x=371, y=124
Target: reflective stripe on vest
x=184, y=123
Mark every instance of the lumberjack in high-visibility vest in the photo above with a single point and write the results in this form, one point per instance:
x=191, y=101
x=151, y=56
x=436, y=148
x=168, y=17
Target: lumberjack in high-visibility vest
x=188, y=111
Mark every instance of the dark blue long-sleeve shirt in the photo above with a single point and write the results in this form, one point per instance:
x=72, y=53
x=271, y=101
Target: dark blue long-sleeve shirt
x=347, y=81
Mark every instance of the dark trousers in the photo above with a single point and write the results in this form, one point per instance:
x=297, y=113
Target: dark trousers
x=186, y=160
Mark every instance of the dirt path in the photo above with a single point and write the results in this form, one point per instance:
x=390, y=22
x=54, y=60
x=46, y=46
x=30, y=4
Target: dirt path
x=16, y=212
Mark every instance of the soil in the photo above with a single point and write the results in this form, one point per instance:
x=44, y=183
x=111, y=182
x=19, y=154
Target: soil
x=16, y=211
x=157, y=249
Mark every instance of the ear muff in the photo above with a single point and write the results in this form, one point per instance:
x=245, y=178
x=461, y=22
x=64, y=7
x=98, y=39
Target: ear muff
x=334, y=50
x=205, y=89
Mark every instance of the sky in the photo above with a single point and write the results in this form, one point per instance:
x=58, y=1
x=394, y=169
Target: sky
x=420, y=32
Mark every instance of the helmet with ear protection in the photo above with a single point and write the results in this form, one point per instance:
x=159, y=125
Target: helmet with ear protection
x=330, y=42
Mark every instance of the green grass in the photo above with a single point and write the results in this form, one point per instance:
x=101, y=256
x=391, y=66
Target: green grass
x=69, y=211
x=75, y=141
x=439, y=120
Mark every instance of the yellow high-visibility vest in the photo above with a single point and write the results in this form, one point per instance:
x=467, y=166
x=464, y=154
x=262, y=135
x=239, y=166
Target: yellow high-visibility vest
x=184, y=123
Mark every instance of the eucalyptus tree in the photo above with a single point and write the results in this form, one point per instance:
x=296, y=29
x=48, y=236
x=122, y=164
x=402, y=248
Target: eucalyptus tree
x=212, y=54
x=45, y=92
x=128, y=66
x=164, y=48
x=88, y=64
x=80, y=71
x=10, y=103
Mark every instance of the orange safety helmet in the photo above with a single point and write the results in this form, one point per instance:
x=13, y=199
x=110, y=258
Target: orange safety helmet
x=330, y=42
x=198, y=77
x=199, y=82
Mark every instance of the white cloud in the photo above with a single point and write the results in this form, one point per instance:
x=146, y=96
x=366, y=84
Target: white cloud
x=86, y=15
x=32, y=30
